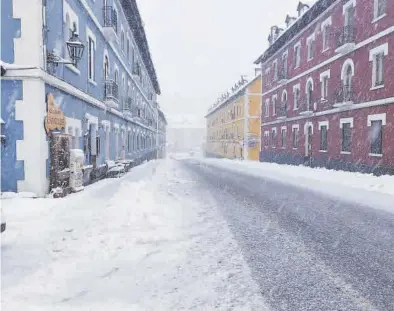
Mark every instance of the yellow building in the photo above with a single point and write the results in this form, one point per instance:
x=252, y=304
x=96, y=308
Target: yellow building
x=233, y=125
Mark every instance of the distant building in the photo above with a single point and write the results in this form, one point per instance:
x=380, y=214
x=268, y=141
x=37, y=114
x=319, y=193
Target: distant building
x=185, y=139
x=76, y=75
x=233, y=124
x=328, y=98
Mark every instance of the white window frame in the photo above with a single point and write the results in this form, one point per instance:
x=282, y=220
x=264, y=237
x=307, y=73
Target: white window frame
x=384, y=49
x=346, y=120
x=324, y=26
x=275, y=96
x=323, y=75
x=310, y=51
x=284, y=127
x=267, y=108
x=375, y=11
x=321, y=124
x=347, y=5
x=276, y=133
x=295, y=103
x=297, y=58
x=295, y=127
x=376, y=117
x=73, y=18
x=90, y=35
x=276, y=69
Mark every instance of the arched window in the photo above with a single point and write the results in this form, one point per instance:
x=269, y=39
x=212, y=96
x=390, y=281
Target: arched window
x=309, y=94
x=116, y=76
x=122, y=40
x=106, y=67
x=346, y=76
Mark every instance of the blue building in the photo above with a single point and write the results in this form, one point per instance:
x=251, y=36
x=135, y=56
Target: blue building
x=84, y=68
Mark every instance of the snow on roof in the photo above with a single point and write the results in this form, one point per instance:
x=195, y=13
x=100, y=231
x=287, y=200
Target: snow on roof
x=1, y=121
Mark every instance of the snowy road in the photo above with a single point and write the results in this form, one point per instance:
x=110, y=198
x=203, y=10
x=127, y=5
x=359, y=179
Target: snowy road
x=306, y=251
x=182, y=235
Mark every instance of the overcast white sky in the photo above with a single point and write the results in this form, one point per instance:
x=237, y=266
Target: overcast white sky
x=201, y=47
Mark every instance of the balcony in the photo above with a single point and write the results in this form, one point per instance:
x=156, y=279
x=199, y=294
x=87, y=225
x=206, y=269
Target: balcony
x=136, y=69
x=283, y=76
x=127, y=107
x=110, y=28
x=345, y=39
x=305, y=107
x=344, y=96
x=281, y=110
x=111, y=94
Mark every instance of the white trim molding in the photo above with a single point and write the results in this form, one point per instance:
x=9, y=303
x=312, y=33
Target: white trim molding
x=295, y=126
x=347, y=5
x=308, y=123
x=346, y=63
x=377, y=117
x=284, y=127
x=106, y=125
x=324, y=74
x=346, y=120
x=326, y=22
x=323, y=123
x=75, y=124
x=91, y=119
x=310, y=79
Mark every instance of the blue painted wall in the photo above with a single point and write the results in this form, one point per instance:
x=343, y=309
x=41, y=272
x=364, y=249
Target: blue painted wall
x=11, y=169
x=54, y=40
x=10, y=29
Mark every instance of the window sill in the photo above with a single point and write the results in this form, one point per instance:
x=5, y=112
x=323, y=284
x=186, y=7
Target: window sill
x=73, y=69
x=273, y=147
x=346, y=152
x=283, y=148
x=294, y=148
x=325, y=50
x=309, y=59
x=295, y=109
x=377, y=87
x=324, y=151
x=378, y=155
x=92, y=82
x=378, y=18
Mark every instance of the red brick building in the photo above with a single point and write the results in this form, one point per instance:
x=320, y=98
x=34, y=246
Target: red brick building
x=328, y=87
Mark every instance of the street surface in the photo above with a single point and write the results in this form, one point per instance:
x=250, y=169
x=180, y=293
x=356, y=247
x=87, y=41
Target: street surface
x=184, y=235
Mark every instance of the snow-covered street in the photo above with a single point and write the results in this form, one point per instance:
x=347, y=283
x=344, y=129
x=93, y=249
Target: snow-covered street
x=147, y=241
x=197, y=234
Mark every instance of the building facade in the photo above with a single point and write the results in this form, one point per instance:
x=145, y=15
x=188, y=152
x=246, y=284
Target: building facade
x=233, y=125
x=79, y=69
x=327, y=96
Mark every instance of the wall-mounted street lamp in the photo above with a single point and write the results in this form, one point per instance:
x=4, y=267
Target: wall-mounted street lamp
x=75, y=50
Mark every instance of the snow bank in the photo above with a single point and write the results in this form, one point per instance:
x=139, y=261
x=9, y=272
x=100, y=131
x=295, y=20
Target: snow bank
x=377, y=191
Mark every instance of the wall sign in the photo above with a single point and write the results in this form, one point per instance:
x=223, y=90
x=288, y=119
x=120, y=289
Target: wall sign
x=55, y=119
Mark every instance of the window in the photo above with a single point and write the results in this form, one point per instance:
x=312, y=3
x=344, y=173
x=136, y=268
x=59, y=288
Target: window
x=323, y=137
x=273, y=138
x=284, y=66
x=98, y=145
x=67, y=35
x=297, y=55
x=283, y=137
x=376, y=55
x=266, y=138
x=76, y=139
x=122, y=41
x=275, y=70
x=274, y=98
x=267, y=108
x=379, y=8
x=326, y=37
x=346, y=137
x=296, y=92
x=311, y=46
x=128, y=49
x=376, y=136
x=379, y=69
x=324, y=87
x=106, y=67
x=295, y=137
x=91, y=59
x=309, y=94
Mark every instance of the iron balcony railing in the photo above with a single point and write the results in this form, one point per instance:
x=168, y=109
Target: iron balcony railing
x=305, y=105
x=282, y=74
x=111, y=90
x=345, y=35
x=281, y=110
x=344, y=94
x=110, y=18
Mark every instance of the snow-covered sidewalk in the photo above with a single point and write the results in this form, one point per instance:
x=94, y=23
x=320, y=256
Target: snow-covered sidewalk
x=145, y=241
x=355, y=187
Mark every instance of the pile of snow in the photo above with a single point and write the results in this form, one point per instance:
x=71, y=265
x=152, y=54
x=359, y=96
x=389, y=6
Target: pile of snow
x=142, y=242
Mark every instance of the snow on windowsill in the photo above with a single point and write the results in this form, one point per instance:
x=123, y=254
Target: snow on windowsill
x=378, y=155
x=20, y=195
x=346, y=152
x=377, y=87
x=92, y=82
x=378, y=18
x=73, y=69
x=323, y=151
x=87, y=167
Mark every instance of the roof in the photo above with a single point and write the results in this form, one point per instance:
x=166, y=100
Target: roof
x=233, y=96
x=134, y=19
x=301, y=23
